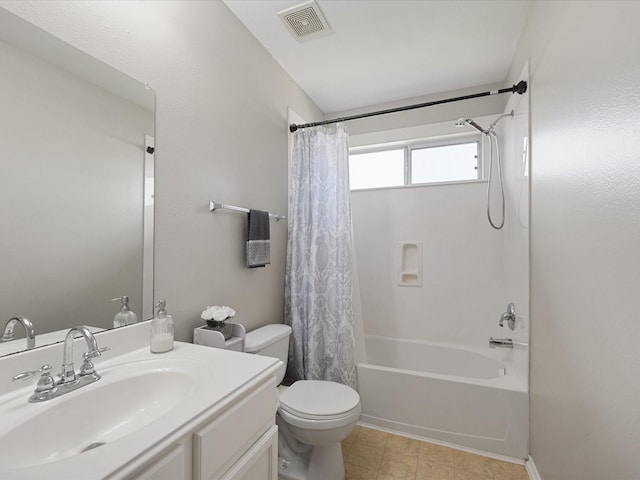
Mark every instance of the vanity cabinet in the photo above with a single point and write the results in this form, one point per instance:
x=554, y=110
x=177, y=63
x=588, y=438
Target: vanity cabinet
x=169, y=466
x=260, y=462
x=225, y=439
x=194, y=413
x=239, y=443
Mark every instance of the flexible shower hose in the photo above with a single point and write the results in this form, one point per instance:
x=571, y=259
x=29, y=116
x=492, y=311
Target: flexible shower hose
x=492, y=135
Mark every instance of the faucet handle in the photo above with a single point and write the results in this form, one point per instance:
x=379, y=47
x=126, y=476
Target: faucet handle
x=87, y=367
x=46, y=386
x=509, y=316
x=95, y=353
x=46, y=382
x=27, y=375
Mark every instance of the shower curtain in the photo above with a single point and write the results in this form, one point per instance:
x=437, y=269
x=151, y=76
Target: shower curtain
x=319, y=258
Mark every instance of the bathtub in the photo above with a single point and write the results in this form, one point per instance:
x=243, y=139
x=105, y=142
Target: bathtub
x=445, y=393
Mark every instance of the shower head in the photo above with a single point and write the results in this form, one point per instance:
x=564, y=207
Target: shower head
x=461, y=122
x=468, y=121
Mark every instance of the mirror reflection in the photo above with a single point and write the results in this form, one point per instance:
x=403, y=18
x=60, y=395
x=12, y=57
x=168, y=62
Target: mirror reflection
x=76, y=189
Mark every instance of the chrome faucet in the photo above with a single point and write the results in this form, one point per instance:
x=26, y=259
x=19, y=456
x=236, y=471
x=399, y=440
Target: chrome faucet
x=68, y=373
x=506, y=343
x=68, y=381
x=29, y=331
x=500, y=342
x=509, y=316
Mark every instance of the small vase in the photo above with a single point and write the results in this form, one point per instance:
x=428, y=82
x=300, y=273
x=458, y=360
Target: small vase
x=221, y=326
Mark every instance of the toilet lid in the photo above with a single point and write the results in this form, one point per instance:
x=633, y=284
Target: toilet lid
x=319, y=399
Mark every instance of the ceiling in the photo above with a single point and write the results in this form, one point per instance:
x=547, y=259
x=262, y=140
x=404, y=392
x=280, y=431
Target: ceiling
x=387, y=50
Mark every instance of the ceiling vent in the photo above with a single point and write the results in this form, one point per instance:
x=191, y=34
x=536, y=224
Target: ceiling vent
x=305, y=21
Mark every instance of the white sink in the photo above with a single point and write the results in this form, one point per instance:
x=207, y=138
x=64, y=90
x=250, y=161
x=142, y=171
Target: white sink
x=126, y=399
x=143, y=404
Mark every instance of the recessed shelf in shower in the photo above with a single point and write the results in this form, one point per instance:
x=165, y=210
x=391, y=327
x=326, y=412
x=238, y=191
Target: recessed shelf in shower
x=410, y=264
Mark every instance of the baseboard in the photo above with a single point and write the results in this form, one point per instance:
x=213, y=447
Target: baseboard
x=532, y=471
x=422, y=438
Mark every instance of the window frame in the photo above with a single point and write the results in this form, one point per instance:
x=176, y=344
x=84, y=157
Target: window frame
x=418, y=144
x=382, y=148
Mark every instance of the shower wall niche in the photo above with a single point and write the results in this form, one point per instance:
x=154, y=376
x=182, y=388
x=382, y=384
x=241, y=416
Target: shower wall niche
x=410, y=264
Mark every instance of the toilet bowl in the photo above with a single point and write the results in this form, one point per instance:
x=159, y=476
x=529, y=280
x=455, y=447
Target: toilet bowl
x=313, y=417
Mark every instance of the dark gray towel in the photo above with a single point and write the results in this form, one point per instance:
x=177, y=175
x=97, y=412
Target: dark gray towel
x=258, y=243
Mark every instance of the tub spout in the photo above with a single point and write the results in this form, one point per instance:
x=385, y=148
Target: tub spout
x=506, y=343
x=500, y=342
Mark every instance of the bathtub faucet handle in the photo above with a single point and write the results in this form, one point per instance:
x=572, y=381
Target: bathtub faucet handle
x=509, y=316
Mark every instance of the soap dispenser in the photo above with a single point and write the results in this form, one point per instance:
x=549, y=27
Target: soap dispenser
x=161, y=330
x=125, y=316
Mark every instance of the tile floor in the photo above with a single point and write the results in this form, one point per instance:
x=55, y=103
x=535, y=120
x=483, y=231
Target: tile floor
x=375, y=455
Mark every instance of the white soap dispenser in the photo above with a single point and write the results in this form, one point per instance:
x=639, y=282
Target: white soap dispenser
x=161, y=330
x=125, y=316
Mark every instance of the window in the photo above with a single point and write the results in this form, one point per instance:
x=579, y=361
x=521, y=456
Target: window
x=416, y=164
x=376, y=169
x=446, y=163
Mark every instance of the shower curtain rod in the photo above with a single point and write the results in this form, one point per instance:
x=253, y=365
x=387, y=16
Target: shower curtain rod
x=520, y=88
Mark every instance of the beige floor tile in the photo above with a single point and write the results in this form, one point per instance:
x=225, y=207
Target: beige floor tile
x=435, y=471
x=348, y=442
x=470, y=462
x=355, y=472
x=371, y=454
x=372, y=438
x=384, y=476
x=432, y=453
x=466, y=475
x=346, y=448
x=397, y=466
x=508, y=471
x=403, y=444
x=354, y=433
x=407, y=457
x=365, y=456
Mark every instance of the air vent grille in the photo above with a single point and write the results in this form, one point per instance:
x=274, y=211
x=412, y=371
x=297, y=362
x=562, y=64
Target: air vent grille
x=305, y=21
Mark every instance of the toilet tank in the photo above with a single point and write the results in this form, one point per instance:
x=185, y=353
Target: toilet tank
x=270, y=341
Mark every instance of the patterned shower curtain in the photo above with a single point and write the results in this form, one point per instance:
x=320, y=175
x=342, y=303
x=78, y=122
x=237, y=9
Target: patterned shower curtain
x=319, y=258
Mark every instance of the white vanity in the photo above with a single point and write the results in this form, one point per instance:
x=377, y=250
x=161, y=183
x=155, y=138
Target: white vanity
x=192, y=413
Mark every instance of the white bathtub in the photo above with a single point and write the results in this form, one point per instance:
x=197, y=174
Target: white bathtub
x=445, y=393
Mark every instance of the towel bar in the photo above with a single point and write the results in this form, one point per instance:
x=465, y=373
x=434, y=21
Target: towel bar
x=214, y=206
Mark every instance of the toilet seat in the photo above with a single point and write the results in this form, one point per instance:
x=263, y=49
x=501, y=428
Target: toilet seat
x=319, y=404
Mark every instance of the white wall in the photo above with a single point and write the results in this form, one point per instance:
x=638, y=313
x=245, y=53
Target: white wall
x=221, y=134
x=462, y=263
x=470, y=271
x=585, y=233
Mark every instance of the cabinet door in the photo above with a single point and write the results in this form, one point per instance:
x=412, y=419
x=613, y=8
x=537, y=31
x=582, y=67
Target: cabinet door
x=169, y=467
x=260, y=462
x=221, y=443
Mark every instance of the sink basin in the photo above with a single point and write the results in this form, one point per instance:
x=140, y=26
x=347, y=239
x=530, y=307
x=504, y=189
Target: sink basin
x=125, y=400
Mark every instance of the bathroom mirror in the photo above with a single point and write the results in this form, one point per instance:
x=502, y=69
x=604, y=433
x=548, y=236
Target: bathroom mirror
x=76, y=187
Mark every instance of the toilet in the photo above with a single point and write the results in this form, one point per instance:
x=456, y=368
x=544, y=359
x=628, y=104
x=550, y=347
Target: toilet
x=313, y=417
